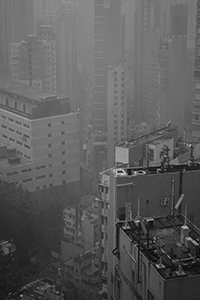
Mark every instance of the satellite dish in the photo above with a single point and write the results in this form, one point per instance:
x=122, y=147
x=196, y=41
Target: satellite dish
x=179, y=202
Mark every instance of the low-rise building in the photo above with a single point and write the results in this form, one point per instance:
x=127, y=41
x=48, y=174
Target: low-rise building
x=80, y=229
x=157, y=258
x=9, y=267
x=83, y=272
x=40, y=289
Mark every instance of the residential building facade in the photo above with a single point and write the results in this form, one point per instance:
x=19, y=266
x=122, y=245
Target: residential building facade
x=43, y=130
x=117, y=109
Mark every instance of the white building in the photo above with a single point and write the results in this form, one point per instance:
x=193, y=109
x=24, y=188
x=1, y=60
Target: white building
x=117, y=109
x=43, y=131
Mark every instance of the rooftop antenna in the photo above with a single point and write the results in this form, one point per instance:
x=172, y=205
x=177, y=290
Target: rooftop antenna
x=173, y=197
x=159, y=264
x=138, y=212
x=177, y=205
x=128, y=215
x=179, y=271
x=179, y=201
x=185, y=223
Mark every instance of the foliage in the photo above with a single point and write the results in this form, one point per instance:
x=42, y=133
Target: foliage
x=28, y=223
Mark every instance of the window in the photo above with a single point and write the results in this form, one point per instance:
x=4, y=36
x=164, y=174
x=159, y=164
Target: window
x=151, y=154
x=3, y=126
x=50, y=175
x=63, y=172
x=63, y=152
x=51, y=184
x=62, y=132
x=26, y=170
x=62, y=122
x=17, y=122
x=63, y=142
x=10, y=119
x=40, y=177
x=18, y=132
x=27, y=146
x=11, y=139
x=50, y=155
x=19, y=143
x=49, y=134
x=49, y=145
x=49, y=124
x=27, y=180
x=63, y=162
x=64, y=181
x=11, y=129
x=50, y=165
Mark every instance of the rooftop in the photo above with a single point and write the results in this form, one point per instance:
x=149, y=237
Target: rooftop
x=163, y=132
x=171, y=243
x=39, y=289
x=27, y=91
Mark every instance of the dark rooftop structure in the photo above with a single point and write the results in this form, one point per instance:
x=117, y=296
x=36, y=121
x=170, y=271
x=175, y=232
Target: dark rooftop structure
x=170, y=243
x=39, y=104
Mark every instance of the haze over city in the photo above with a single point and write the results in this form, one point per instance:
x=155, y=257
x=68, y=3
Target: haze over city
x=99, y=149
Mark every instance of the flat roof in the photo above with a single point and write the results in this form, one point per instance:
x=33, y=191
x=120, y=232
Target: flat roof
x=160, y=133
x=163, y=240
x=27, y=91
x=6, y=165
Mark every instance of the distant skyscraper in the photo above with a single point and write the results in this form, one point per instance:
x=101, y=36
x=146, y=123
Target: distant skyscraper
x=66, y=47
x=196, y=99
x=33, y=61
x=148, y=29
x=107, y=20
x=16, y=22
x=172, y=82
x=173, y=69
x=117, y=109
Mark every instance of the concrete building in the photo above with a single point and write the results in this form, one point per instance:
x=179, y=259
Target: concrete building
x=81, y=227
x=33, y=61
x=43, y=130
x=41, y=289
x=148, y=29
x=16, y=22
x=66, y=51
x=173, y=69
x=9, y=267
x=132, y=185
x=117, y=109
x=41, y=8
x=172, y=81
x=196, y=99
x=145, y=149
x=157, y=258
x=83, y=272
x=107, y=19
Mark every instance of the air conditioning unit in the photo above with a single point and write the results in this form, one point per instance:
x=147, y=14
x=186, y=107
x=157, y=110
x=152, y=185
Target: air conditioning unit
x=164, y=201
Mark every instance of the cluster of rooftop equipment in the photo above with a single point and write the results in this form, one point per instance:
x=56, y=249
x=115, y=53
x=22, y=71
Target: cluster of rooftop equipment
x=171, y=243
